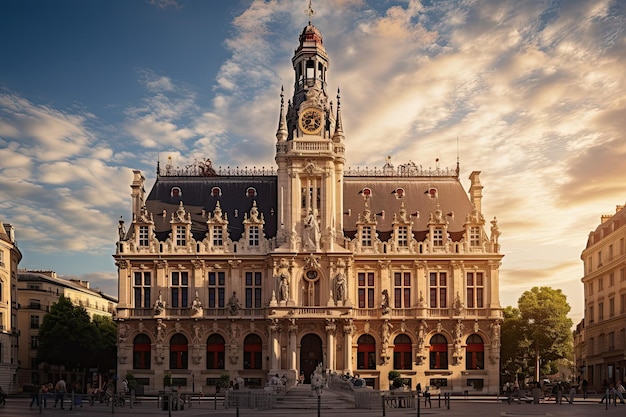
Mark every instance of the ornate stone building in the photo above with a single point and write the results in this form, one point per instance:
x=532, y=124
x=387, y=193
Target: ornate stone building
x=10, y=257
x=600, y=339
x=253, y=272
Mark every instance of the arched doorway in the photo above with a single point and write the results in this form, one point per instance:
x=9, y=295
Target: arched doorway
x=310, y=355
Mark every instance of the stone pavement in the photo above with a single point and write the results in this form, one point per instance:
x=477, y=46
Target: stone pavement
x=18, y=407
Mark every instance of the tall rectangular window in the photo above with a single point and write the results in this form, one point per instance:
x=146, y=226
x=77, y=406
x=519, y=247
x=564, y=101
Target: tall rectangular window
x=180, y=289
x=143, y=236
x=34, y=342
x=253, y=236
x=253, y=289
x=475, y=289
x=600, y=311
x=474, y=236
x=181, y=236
x=34, y=322
x=437, y=236
x=142, y=285
x=611, y=279
x=218, y=236
x=611, y=307
x=403, y=236
x=622, y=303
x=438, y=290
x=217, y=290
x=366, y=289
x=366, y=236
x=401, y=289
x=591, y=315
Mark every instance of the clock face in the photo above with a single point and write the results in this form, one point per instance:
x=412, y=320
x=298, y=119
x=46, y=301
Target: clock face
x=311, y=121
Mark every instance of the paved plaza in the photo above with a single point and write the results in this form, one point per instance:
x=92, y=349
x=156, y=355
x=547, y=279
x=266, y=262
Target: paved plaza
x=17, y=407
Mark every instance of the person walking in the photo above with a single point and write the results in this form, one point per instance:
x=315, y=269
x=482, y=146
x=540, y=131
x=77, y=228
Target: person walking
x=34, y=397
x=585, y=387
x=619, y=392
x=59, y=393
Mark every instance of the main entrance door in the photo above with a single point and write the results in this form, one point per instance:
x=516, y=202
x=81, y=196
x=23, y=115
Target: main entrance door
x=310, y=355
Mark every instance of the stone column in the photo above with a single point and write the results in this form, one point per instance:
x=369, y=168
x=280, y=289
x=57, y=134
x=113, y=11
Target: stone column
x=348, y=329
x=274, y=344
x=331, y=345
x=293, y=344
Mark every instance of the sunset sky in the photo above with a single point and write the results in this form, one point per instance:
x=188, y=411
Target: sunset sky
x=535, y=92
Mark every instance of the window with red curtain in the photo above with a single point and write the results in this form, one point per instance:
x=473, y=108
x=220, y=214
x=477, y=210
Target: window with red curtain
x=438, y=352
x=178, y=352
x=215, y=352
x=366, y=352
x=141, y=352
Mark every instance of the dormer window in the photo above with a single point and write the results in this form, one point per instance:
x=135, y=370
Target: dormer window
x=403, y=236
x=366, y=236
x=216, y=192
x=398, y=192
x=251, y=192
x=253, y=236
x=176, y=192
x=366, y=192
x=437, y=236
x=181, y=235
x=143, y=236
x=432, y=192
x=474, y=232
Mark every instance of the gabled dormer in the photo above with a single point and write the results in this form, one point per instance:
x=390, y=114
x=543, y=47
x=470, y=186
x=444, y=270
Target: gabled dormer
x=366, y=235
x=253, y=239
x=437, y=237
x=143, y=236
x=217, y=239
x=475, y=237
x=180, y=239
x=402, y=235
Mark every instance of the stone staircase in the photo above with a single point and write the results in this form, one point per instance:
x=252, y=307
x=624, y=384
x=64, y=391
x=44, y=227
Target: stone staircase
x=303, y=397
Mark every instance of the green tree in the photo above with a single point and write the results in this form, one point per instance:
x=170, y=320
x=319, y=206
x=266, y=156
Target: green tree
x=515, y=357
x=106, y=349
x=67, y=336
x=548, y=330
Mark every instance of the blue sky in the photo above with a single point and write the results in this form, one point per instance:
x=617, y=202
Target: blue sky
x=534, y=91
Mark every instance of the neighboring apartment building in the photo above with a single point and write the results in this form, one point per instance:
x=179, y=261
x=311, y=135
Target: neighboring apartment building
x=256, y=272
x=37, y=292
x=10, y=257
x=603, y=331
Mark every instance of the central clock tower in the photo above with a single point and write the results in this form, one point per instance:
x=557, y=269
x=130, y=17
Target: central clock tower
x=310, y=155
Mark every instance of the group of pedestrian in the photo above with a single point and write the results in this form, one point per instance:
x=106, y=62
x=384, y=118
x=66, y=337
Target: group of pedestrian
x=39, y=397
x=613, y=391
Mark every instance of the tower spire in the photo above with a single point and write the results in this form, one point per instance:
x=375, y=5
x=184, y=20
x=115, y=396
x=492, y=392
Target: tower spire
x=281, y=133
x=338, y=135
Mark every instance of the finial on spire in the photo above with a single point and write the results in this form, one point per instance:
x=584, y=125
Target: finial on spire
x=309, y=11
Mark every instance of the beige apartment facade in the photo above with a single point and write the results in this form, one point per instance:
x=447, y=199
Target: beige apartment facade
x=37, y=292
x=600, y=340
x=252, y=272
x=10, y=257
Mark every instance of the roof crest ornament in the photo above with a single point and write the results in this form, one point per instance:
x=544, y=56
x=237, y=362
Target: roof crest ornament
x=310, y=12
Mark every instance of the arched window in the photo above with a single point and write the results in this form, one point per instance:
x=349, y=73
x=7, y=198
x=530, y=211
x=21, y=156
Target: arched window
x=178, y=352
x=216, y=192
x=402, y=352
x=252, y=352
x=215, y=348
x=366, y=352
x=141, y=352
x=475, y=353
x=251, y=192
x=438, y=352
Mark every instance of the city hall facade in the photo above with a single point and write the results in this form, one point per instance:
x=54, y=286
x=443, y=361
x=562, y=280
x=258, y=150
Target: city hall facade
x=255, y=272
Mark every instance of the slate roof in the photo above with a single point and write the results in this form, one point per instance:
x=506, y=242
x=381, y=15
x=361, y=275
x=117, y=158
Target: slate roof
x=196, y=195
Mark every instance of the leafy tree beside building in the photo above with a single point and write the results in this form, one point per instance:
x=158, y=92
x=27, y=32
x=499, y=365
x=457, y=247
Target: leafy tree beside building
x=536, y=334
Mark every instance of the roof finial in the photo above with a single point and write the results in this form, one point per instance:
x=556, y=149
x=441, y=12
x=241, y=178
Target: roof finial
x=309, y=11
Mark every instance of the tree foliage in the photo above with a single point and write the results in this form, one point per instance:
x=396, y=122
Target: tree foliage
x=68, y=337
x=538, y=331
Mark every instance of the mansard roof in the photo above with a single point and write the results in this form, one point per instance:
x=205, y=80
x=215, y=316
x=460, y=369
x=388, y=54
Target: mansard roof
x=450, y=198
x=196, y=196
x=45, y=277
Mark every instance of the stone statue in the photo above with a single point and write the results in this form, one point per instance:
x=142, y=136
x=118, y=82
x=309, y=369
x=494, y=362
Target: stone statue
x=123, y=332
x=340, y=287
x=385, y=302
x=311, y=232
x=197, y=334
x=386, y=333
x=160, y=331
x=196, y=306
x=283, y=292
x=159, y=305
x=233, y=304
